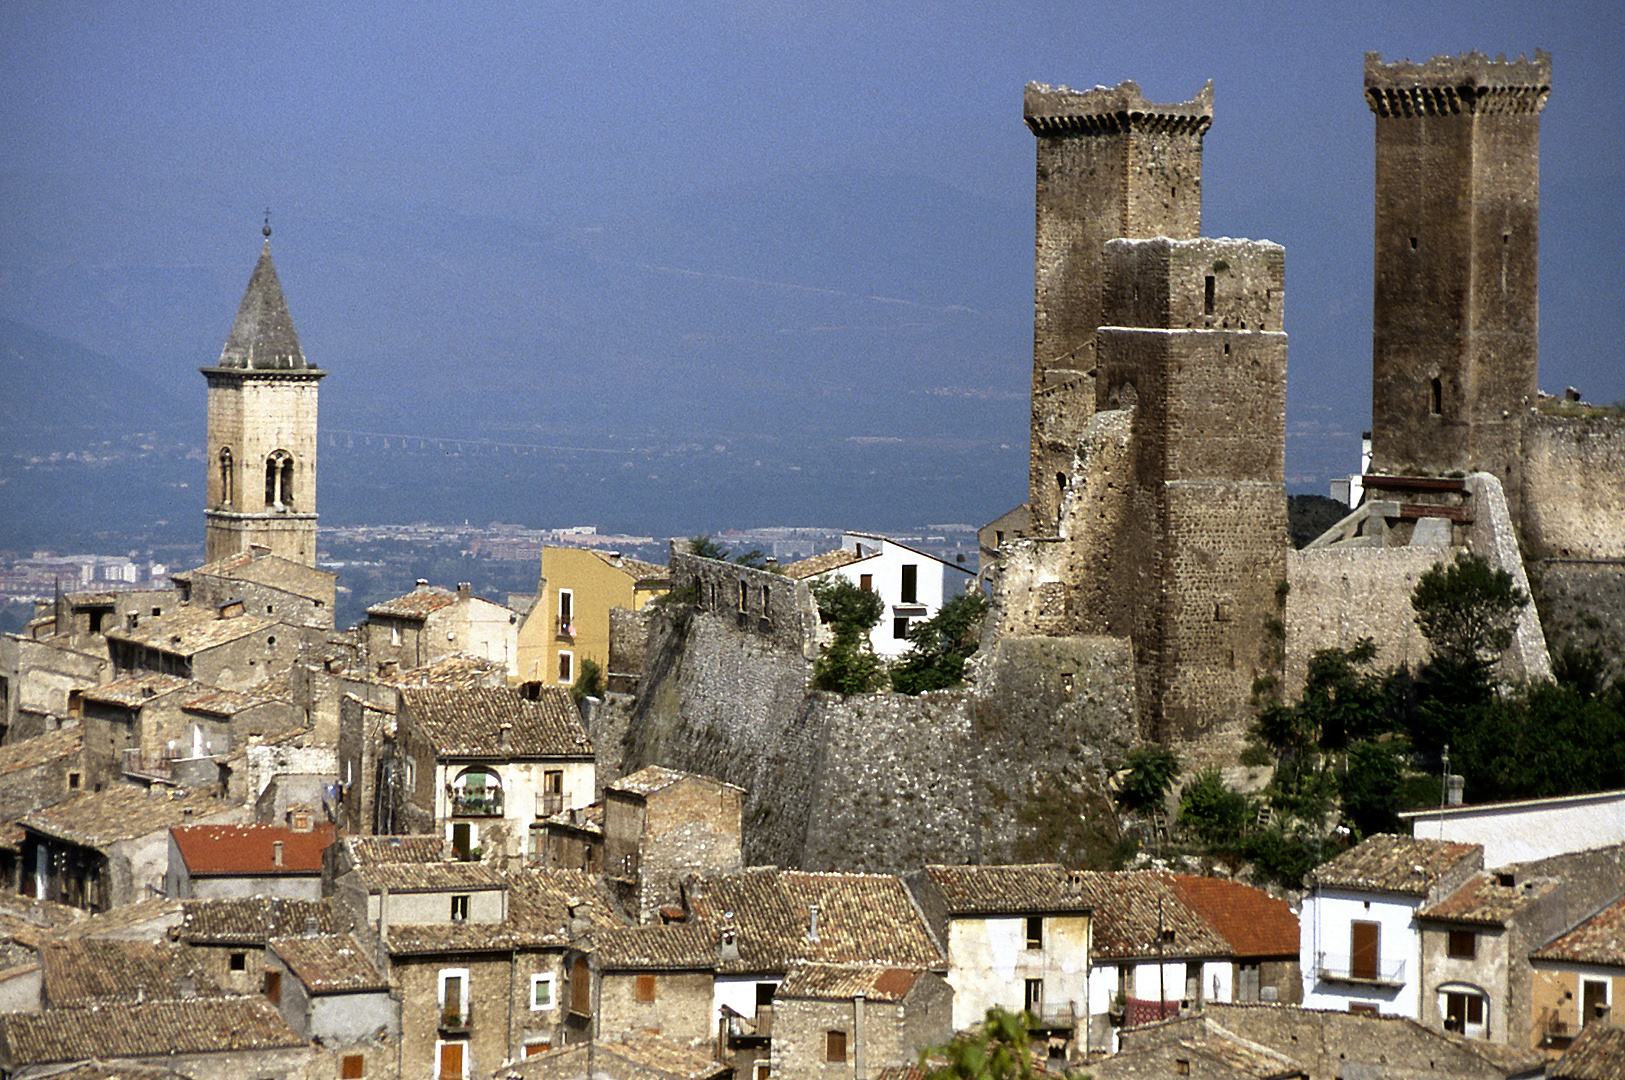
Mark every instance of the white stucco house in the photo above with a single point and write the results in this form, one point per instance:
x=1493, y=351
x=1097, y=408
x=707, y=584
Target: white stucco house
x=1361, y=944
x=912, y=584
x=1525, y=830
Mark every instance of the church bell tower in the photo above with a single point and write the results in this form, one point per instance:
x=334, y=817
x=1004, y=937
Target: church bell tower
x=261, y=452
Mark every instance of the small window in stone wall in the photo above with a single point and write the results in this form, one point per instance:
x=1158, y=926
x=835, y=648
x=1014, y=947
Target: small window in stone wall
x=1463, y=944
x=645, y=990
x=1435, y=397
x=744, y=596
x=835, y=1046
x=239, y=961
x=1208, y=296
x=353, y=1067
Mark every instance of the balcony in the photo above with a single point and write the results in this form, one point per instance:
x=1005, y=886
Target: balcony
x=454, y=1021
x=1056, y=1017
x=1330, y=967
x=138, y=767
x=483, y=803
x=566, y=628
x=551, y=803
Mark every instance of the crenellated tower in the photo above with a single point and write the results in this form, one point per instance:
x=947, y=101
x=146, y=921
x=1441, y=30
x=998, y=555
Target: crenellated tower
x=261, y=453
x=1110, y=164
x=1455, y=351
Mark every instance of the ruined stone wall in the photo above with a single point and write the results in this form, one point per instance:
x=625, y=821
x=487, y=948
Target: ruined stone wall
x=1574, y=477
x=1582, y=608
x=1109, y=164
x=1010, y=771
x=1341, y=595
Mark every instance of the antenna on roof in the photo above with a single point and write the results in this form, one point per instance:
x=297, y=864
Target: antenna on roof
x=266, y=230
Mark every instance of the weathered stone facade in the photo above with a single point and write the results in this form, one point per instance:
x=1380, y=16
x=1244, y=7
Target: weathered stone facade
x=1574, y=471
x=1110, y=164
x=1455, y=352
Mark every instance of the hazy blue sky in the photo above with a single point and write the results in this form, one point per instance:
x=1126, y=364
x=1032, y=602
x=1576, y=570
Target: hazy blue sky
x=140, y=143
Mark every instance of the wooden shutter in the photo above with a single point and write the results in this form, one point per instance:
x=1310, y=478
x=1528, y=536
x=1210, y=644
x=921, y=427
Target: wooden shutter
x=1364, y=946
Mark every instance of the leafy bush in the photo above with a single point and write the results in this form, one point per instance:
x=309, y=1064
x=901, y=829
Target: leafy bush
x=847, y=663
x=940, y=646
x=590, y=683
x=1151, y=774
x=1214, y=814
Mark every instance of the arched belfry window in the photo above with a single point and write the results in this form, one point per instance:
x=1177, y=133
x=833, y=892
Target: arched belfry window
x=226, y=477
x=279, y=480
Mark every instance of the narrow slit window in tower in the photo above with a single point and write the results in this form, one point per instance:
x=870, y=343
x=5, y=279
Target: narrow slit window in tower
x=1435, y=397
x=1207, y=296
x=225, y=476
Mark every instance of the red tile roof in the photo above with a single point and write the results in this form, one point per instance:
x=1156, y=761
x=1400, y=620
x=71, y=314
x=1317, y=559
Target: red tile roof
x=1251, y=920
x=251, y=849
x=1598, y=940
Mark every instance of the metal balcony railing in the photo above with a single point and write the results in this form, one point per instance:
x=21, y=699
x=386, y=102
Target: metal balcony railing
x=148, y=768
x=1330, y=967
x=487, y=803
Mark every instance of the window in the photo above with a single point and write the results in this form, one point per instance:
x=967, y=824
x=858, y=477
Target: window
x=541, y=993
x=239, y=961
x=866, y=582
x=1464, y=1013
x=1364, y=946
x=1364, y=1008
x=279, y=480
x=225, y=484
x=763, y=1070
x=352, y=1067
x=744, y=596
x=73, y=781
x=1033, y=998
x=645, y=989
x=567, y=667
x=459, y=908
x=1463, y=944
x=911, y=584
x=540, y=1046
x=1182, y=1066
x=1593, y=1001
x=462, y=835
x=764, y=995
x=1208, y=296
x=834, y=1046
x=1436, y=397
x=273, y=986
x=454, y=998
x=552, y=800
x=899, y=628
x=1035, y=932
x=566, y=607
x=580, y=987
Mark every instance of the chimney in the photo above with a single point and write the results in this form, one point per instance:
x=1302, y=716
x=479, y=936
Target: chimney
x=423, y=583
x=464, y=590
x=772, y=562
x=812, y=922
x=728, y=944
x=1453, y=785
x=505, y=736
x=312, y=926
x=276, y=853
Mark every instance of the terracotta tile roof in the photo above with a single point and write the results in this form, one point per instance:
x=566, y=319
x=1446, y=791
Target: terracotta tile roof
x=420, y=603
x=134, y=691
x=1129, y=909
x=429, y=938
x=1394, y=864
x=539, y=901
x=252, y=849
x=634, y=568
x=820, y=563
x=1598, y=940
x=190, y=630
x=429, y=877
x=96, y=970
x=468, y=722
x=252, y=920
x=1597, y=1053
x=1005, y=890
x=149, y=918
x=374, y=850
x=1226, y=1053
x=218, y=568
x=51, y=746
x=843, y=982
x=119, y=812
x=95, y=1070
x=588, y=819
x=862, y=919
x=329, y=963
x=1251, y=920
x=151, y=1029
x=680, y=946
x=637, y=1053
x=214, y=701
x=452, y=670
x=653, y=778
x=1485, y=902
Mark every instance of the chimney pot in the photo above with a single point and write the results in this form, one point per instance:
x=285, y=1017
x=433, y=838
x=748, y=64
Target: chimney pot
x=464, y=590
x=276, y=853
x=812, y=922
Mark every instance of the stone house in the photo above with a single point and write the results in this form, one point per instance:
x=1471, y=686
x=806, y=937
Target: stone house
x=267, y=584
x=1017, y=937
x=657, y=979
x=329, y=990
x=428, y=623
x=574, y=840
x=1360, y=950
x=912, y=585
x=1262, y=931
x=228, y=936
x=1578, y=975
x=483, y=766
x=78, y=973
x=41, y=771
x=82, y=619
x=200, y=1038
x=39, y=679
x=99, y=850
x=570, y=621
x=1151, y=955
x=766, y=920
x=838, y=1020
x=636, y=1056
x=1195, y=1047
x=661, y=825
x=225, y=861
x=1597, y=1053
x=225, y=646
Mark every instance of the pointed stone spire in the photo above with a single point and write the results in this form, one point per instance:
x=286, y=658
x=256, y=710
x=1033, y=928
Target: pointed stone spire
x=262, y=338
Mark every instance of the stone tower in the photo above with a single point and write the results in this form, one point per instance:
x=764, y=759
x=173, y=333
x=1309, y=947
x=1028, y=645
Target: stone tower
x=1456, y=315
x=1110, y=164
x=261, y=453
x=1191, y=346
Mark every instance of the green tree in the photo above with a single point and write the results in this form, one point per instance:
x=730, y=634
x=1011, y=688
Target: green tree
x=999, y=1048
x=707, y=548
x=1468, y=611
x=590, y=683
x=1152, y=771
x=1372, y=786
x=1214, y=814
x=940, y=645
x=847, y=663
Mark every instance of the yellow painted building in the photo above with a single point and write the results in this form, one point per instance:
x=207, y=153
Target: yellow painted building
x=569, y=622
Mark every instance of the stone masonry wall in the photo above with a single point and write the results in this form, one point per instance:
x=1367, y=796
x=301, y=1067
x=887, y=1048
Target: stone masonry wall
x=1574, y=476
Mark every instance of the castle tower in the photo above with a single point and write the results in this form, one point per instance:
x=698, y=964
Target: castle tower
x=1110, y=164
x=1456, y=316
x=1191, y=343
x=261, y=453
